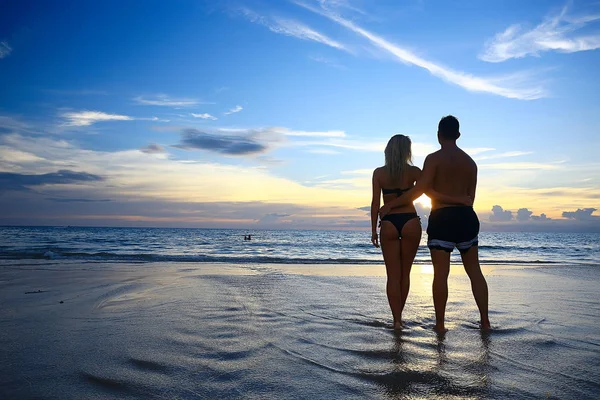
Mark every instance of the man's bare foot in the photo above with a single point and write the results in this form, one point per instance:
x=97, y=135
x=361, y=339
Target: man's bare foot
x=440, y=328
x=398, y=325
x=485, y=325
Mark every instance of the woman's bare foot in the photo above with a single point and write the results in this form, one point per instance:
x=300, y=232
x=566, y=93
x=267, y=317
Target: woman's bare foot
x=440, y=328
x=485, y=325
x=398, y=325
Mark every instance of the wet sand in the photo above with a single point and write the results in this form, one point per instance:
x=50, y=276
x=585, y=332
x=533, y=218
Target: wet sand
x=188, y=330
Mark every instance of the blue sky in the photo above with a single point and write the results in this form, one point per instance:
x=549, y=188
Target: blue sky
x=275, y=113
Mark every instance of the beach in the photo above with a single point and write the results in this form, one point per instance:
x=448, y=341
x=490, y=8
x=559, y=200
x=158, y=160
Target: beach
x=103, y=330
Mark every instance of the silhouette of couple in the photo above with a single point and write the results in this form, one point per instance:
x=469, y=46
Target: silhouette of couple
x=449, y=179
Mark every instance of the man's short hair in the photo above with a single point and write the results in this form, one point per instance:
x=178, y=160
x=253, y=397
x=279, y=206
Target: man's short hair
x=448, y=127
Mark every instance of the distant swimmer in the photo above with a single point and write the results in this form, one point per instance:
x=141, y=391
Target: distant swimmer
x=452, y=172
x=247, y=237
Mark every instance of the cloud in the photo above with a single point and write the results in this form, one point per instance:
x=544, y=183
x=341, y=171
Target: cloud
x=204, y=116
x=86, y=118
x=323, y=151
x=82, y=92
x=131, y=176
x=523, y=214
x=247, y=141
x=504, y=155
x=5, y=49
x=291, y=132
x=292, y=28
x=15, y=181
x=235, y=145
x=418, y=149
x=520, y=166
x=282, y=131
x=167, y=101
x=560, y=32
x=510, y=86
x=72, y=200
x=271, y=218
x=472, y=151
x=153, y=148
x=582, y=214
x=340, y=4
x=328, y=61
x=542, y=217
x=365, y=171
x=234, y=110
x=500, y=215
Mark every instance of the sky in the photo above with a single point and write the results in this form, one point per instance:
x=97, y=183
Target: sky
x=274, y=114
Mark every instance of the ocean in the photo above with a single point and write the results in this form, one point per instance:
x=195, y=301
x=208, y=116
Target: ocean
x=273, y=246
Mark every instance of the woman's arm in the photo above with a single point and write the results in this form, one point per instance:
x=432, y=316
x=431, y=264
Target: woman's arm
x=375, y=203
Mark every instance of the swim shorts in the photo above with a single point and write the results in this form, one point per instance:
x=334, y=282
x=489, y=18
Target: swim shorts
x=451, y=227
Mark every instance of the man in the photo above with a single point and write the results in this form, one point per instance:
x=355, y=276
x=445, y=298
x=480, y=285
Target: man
x=451, y=172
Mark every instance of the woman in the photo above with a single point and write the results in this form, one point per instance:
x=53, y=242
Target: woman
x=401, y=227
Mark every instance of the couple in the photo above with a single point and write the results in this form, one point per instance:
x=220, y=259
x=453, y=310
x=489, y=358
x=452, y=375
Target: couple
x=449, y=178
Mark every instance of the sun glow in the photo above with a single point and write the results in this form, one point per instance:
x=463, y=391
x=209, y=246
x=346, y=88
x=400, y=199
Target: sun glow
x=424, y=201
x=427, y=269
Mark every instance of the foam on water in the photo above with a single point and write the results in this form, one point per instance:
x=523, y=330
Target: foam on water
x=275, y=247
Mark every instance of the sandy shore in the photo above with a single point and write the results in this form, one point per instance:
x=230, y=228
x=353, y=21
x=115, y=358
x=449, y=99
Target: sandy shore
x=185, y=330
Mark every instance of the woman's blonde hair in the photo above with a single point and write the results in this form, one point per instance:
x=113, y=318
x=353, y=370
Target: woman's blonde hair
x=398, y=156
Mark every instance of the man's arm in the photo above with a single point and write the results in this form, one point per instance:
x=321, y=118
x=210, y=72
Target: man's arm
x=423, y=184
x=375, y=203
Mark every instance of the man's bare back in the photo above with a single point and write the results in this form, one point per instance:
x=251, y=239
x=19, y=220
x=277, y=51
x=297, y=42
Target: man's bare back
x=455, y=175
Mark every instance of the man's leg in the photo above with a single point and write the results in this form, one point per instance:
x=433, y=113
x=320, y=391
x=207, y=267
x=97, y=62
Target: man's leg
x=441, y=268
x=470, y=259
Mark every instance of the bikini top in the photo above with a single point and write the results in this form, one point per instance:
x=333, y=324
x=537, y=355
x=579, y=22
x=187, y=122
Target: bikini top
x=397, y=191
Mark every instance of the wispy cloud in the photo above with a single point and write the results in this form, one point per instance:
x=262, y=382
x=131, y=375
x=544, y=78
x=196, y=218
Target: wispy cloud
x=290, y=27
x=82, y=92
x=234, y=110
x=560, y=32
x=5, y=49
x=340, y=4
x=279, y=131
x=504, y=155
x=520, y=166
x=323, y=151
x=204, y=116
x=510, y=86
x=418, y=149
x=87, y=118
x=358, y=172
x=472, y=151
x=327, y=61
x=167, y=101
x=291, y=132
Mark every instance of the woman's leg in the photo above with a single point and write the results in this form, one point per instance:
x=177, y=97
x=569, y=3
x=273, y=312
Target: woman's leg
x=390, y=247
x=411, y=237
